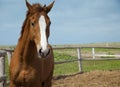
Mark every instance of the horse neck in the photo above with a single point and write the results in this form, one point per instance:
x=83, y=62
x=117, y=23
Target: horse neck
x=30, y=51
x=26, y=48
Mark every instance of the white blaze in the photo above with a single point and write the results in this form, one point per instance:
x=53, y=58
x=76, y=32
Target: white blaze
x=42, y=24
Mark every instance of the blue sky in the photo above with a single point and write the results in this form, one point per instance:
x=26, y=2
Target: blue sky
x=73, y=21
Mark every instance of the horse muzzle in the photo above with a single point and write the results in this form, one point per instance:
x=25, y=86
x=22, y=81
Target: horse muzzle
x=44, y=53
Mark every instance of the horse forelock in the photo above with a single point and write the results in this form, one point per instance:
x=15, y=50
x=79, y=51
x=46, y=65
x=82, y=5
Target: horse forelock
x=37, y=8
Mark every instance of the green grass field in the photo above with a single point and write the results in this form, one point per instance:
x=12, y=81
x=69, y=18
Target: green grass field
x=72, y=67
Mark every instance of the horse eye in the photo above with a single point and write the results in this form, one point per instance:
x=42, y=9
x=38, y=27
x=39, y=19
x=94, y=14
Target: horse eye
x=33, y=23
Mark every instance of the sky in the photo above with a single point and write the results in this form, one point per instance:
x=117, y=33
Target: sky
x=72, y=21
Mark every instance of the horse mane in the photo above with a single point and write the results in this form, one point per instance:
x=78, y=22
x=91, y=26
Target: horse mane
x=36, y=8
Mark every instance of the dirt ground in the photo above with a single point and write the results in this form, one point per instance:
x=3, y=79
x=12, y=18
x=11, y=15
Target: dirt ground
x=89, y=79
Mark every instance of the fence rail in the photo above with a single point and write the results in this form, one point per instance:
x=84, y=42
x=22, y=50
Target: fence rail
x=8, y=52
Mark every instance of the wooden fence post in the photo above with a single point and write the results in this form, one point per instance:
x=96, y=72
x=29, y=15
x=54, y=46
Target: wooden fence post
x=79, y=59
x=9, y=54
x=93, y=53
x=2, y=69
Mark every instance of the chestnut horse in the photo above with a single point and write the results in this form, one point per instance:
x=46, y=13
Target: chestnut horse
x=32, y=62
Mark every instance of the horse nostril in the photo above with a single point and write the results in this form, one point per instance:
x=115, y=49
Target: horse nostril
x=40, y=51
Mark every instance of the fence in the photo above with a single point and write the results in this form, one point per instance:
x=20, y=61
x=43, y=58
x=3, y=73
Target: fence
x=94, y=55
x=8, y=52
x=2, y=69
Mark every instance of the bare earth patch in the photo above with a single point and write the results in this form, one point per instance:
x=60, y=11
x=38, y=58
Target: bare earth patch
x=89, y=79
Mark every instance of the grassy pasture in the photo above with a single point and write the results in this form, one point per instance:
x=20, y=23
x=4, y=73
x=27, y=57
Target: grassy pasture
x=72, y=67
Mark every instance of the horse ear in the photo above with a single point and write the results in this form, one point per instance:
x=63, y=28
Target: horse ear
x=48, y=8
x=29, y=6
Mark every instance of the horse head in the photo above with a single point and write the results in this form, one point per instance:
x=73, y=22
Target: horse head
x=39, y=27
